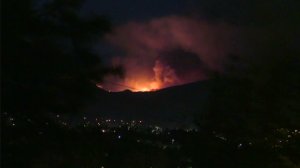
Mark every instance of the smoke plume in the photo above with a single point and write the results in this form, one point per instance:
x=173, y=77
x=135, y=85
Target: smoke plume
x=169, y=51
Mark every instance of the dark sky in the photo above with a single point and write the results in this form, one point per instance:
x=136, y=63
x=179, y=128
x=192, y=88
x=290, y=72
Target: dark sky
x=246, y=12
x=122, y=11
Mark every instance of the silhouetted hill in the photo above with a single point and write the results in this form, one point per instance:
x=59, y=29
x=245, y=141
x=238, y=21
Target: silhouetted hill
x=173, y=106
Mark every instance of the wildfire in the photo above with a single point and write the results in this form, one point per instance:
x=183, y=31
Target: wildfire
x=162, y=76
x=145, y=86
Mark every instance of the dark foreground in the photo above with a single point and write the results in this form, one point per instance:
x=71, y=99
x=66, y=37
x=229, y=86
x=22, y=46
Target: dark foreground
x=28, y=143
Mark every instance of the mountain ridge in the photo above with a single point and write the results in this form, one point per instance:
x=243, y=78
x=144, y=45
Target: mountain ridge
x=177, y=105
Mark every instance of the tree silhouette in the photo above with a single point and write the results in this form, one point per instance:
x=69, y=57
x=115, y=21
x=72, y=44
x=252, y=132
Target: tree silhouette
x=47, y=63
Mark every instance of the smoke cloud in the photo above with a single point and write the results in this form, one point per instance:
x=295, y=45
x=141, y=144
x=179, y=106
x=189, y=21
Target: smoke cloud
x=169, y=51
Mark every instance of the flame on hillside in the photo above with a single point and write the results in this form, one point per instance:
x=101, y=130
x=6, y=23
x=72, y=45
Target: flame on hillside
x=162, y=76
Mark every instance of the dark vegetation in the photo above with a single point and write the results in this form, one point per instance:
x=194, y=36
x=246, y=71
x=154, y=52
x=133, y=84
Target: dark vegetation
x=47, y=60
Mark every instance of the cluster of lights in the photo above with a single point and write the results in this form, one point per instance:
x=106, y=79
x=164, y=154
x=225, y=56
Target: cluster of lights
x=104, y=122
x=156, y=130
x=12, y=121
x=106, y=125
x=112, y=123
x=112, y=126
x=285, y=136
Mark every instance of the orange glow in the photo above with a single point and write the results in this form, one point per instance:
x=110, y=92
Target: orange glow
x=162, y=76
x=142, y=85
x=146, y=88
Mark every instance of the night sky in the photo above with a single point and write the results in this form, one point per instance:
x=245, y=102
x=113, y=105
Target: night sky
x=123, y=11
